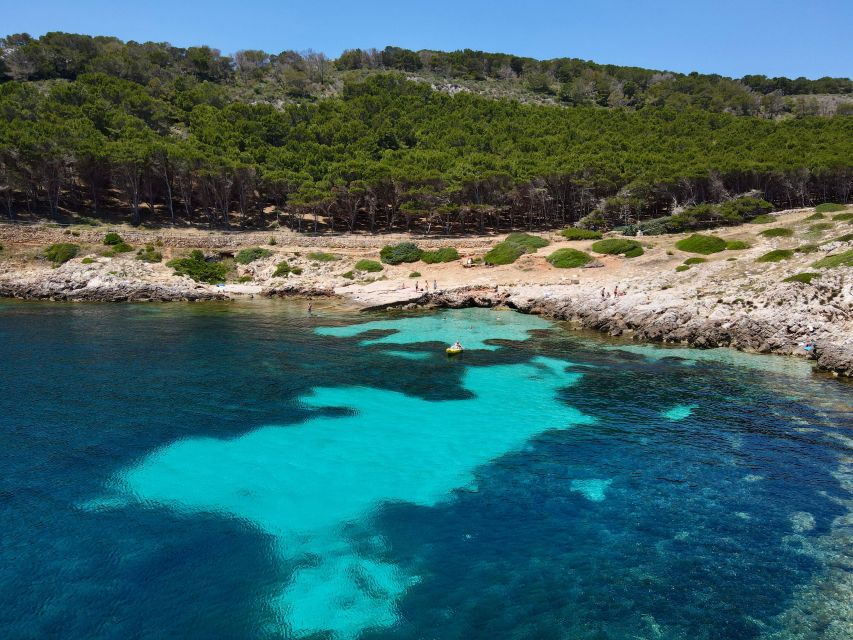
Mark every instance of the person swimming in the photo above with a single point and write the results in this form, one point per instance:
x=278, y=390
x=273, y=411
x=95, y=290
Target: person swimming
x=456, y=345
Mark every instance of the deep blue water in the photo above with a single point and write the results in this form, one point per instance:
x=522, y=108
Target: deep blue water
x=248, y=471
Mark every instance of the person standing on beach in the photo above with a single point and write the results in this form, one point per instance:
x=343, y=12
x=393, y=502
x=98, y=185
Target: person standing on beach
x=434, y=285
x=310, y=307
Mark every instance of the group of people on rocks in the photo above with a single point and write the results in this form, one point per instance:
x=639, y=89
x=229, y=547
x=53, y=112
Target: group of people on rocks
x=616, y=293
x=426, y=285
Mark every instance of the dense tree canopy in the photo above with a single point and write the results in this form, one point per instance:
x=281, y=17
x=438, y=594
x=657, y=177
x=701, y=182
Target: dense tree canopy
x=95, y=126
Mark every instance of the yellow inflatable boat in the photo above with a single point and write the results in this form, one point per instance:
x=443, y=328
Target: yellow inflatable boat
x=451, y=351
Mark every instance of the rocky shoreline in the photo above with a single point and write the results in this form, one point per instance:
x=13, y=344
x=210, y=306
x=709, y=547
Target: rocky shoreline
x=729, y=299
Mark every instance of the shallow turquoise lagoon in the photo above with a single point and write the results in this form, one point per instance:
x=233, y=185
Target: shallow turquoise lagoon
x=253, y=471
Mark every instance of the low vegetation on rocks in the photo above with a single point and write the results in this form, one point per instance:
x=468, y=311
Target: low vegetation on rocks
x=445, y=254
x=704, y=244
x=737, y=245
x=569, y=258
x=778, y=232
x=576, y=233
x=149, y=254
x=618, y=246
x=322, y=256
x=368, y=266
x=400, y=253
x=838, y=260
x=112, y=238
x=515, y=246
x=61, y=252
x=829, y=207
x=247, y=256
x=199, y=268
x=805, y=277
x=777, y=255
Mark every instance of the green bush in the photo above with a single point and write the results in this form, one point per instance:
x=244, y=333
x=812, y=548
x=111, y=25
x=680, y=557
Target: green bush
x=821, y=226
x=399, y=253
x=61, y=252
x=503, y=253
x=122, y=247
x=282, y=269
x=197, y=267
x=415, y=274
x=617, y=246
x=149, y=254
x=88, y=260
x=805, y=277
x=737, y=245
x=112, y=238
x=349, y=275
x=695, y=261
x=526, y=241
x=776, y=255
x=847, y=237
x=569, y=258
x=777, y=232
x=445, y=254
x=763, y=219
x=682, y=267
x=370, y=266
x=272, y=241
x=576, y=233
x=511, y=249
x=322, y=256
x=829, y=207
x=246, y=256
x=838, y=260
x=843, y=217
x=244, y=279
x=807, y=248
x=698, y=243
x=815, y=216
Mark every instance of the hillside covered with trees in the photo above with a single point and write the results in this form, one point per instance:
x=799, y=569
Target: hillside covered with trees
x=154, y=133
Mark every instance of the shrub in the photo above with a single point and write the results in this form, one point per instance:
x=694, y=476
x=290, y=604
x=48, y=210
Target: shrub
x=122, y=247
x=503, y=253
x=415, y=274
x=246, y=256
x=511, y=249
x=776, y=255
x=682, y=267
x=737, y=245
x=243, y=279
x=349, y=275
x=149, y=254
x=272, y=241
x=568, y=258
x=695, y=261
x=87, y=260
x=112, y=238
x=805, y=277
x=617, y=246
x=526, y=241
x=777, y=232
x=698, y=243
x=322, y=256
x=399, y=253
x=821, y=226
x=370, y=266
x=445, y=254
x=847, y=237
x=282, y=270
x=829, y=207
x=197, y=267
x=815, y=216
x=576, y=233
x=843, y=217
x=838, y=260
x=61, y=252
x=806, y=248
x=763, y=219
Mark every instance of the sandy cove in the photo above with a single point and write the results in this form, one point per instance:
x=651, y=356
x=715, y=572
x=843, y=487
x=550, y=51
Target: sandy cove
x=722, y=302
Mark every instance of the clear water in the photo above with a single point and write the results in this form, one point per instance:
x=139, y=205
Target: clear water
x=248, y=471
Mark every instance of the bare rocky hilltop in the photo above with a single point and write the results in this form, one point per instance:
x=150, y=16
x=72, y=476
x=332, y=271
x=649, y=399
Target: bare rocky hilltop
x=730, y=299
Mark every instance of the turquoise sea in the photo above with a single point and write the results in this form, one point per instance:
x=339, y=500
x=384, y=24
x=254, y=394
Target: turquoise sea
x=250, y=470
